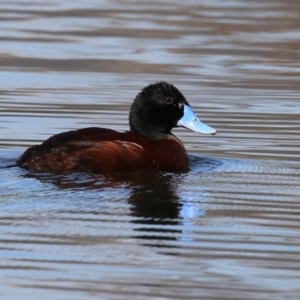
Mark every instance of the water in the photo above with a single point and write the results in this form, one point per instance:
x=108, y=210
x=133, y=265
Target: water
x=229, y=228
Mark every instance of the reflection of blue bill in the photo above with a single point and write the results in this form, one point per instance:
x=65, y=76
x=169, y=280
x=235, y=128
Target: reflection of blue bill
x=190, y=210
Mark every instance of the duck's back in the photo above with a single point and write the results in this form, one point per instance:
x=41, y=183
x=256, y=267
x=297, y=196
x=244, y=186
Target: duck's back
x=100, y=150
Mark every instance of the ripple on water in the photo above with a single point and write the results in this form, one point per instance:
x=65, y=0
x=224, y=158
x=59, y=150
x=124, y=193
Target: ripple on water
x=224, y=216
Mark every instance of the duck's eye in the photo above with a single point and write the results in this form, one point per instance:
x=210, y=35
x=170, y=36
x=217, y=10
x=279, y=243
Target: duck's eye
x=169, y=100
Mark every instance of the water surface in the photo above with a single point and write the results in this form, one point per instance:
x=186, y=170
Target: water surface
x=229, y=228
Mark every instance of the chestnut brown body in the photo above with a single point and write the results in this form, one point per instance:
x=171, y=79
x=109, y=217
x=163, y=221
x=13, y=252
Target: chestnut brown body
x=100, y=150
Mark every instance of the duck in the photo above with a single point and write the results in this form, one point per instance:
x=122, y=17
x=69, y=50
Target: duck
x=148, y=145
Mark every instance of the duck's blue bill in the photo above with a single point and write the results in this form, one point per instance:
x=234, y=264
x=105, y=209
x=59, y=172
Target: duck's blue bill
x=191, y=121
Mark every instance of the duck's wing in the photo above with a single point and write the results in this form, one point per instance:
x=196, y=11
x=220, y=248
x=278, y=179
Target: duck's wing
x=92, y=149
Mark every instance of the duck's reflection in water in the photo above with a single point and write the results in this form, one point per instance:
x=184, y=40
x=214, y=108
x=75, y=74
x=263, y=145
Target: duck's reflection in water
x=156, y=206
x=159, y=210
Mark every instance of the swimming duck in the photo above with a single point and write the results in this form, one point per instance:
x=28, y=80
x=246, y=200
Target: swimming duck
x=148, y=145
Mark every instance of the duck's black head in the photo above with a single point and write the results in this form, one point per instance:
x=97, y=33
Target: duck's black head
x=158, y=108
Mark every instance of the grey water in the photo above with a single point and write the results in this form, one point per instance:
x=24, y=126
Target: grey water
x=227, y=229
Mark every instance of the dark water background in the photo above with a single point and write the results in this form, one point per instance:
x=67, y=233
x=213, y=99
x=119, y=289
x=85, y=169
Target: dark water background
x=228, y=229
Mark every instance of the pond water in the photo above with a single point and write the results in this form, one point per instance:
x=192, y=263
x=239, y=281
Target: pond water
x=229, y=228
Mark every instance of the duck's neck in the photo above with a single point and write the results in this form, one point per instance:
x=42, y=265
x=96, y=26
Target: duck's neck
x=145, y=126
x=153, y=135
